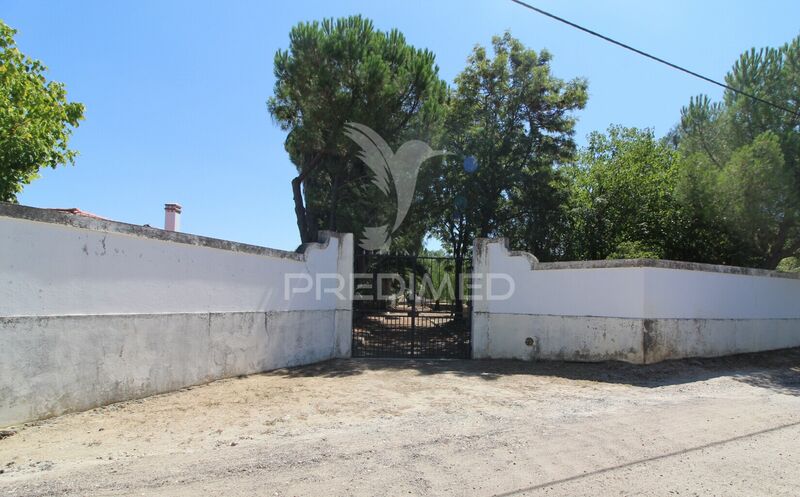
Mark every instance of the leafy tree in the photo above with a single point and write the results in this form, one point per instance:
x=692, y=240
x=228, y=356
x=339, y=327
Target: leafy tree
x=36, y=120
x=623, y=202
x=340, y=71
x=509, y=124
x=743, y=161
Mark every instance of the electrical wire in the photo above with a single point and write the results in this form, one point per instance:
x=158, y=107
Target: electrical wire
x=657, y=59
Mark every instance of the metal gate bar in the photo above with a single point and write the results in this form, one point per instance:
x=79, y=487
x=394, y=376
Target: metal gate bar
x=411, y=306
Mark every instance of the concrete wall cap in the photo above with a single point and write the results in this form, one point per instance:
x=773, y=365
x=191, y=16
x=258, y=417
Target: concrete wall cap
x=633, y=263
x=51, y=216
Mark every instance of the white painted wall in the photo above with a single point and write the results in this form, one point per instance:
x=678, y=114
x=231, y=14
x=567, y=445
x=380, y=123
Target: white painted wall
x=711, y=295
x=567, y=292
x=94, y=312
x=637, y=311
x=54, y=269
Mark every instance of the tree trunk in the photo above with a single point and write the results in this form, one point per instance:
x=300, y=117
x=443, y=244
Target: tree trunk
x=300, y=209
x=301, y=213
x=776, y=256
x=778, y=251
x=773, y=260
x=334, y=201
x=458, y=304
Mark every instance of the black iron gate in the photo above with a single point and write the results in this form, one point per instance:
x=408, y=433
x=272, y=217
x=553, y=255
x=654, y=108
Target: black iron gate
x=411, y=306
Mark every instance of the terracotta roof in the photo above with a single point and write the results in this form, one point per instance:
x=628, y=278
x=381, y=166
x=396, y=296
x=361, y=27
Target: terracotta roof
x=75, y=210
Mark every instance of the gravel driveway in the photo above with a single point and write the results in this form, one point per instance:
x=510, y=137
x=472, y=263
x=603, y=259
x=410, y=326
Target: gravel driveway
x=393, y=427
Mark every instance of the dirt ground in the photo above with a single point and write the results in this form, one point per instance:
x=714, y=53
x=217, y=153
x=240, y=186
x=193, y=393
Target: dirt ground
x=389, y=427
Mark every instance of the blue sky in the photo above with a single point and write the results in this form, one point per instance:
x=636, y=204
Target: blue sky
x=176, y=91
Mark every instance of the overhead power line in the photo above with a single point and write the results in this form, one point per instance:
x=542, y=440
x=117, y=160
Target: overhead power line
x=653, y=57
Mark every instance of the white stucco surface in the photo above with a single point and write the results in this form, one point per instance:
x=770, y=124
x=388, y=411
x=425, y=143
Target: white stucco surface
x=93, y=312
x=629, y=310
x=568, y=292
x=52, y=269
x=708, y=295
x=51, y=365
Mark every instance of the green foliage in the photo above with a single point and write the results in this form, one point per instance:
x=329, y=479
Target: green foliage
x=790, y=265
x=723, y=187
x=437, y=279
x=515, y=118
x=742, y=163
x=623, y=198
x=634, y=250
x=36, y=120
x=339, y=71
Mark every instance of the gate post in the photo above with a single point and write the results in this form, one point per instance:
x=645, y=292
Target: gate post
x=479, y=309
x=343, y=315
x=414, y=337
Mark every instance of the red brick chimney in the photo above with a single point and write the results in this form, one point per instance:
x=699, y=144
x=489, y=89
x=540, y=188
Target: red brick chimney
x=172, y=217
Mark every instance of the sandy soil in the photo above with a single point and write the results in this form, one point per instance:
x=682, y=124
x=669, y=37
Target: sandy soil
x=711, y=427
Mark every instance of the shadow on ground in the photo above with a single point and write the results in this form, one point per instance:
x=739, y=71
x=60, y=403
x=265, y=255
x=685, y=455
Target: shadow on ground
x=776, y=370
